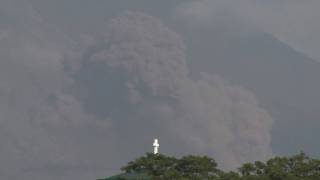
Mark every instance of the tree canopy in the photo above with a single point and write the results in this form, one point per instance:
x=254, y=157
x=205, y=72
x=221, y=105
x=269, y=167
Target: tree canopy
x=161, y=167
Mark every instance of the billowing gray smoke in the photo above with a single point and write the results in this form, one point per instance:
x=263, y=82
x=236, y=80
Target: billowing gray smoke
x=70, y=114
x=206, y=116
x=44, y=133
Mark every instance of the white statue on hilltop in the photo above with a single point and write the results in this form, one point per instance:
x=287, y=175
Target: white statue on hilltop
x=156, y=146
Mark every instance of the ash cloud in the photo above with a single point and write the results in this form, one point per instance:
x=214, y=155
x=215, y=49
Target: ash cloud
x=42, y=126
x=206, y=116
x=73, y=111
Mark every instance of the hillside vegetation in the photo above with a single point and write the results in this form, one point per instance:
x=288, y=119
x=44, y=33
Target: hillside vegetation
x=161, y=167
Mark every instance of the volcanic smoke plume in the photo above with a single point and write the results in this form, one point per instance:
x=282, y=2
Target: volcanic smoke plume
x=71, y=114
x=150, y=94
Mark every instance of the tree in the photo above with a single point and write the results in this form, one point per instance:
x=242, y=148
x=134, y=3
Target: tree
x=161, y=167
x=197, y=167
x=298, y=167
x=154, y=165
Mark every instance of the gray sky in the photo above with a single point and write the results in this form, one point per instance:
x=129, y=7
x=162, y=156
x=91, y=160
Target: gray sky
x=291, y=21
x=85, y=86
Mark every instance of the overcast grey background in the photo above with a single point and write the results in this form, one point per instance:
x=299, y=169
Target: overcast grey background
x=85, y=86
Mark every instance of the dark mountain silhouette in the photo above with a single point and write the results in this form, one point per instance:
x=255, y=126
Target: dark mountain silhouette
x=284, y=80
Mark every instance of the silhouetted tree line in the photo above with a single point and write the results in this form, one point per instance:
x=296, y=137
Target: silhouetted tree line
x=161, y=167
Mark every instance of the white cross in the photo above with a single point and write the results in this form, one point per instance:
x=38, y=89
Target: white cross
x=156, y=146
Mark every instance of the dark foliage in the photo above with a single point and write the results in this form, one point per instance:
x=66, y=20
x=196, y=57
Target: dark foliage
x=161, y=167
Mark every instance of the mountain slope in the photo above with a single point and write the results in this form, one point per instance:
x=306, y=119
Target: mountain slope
x=285, y=81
